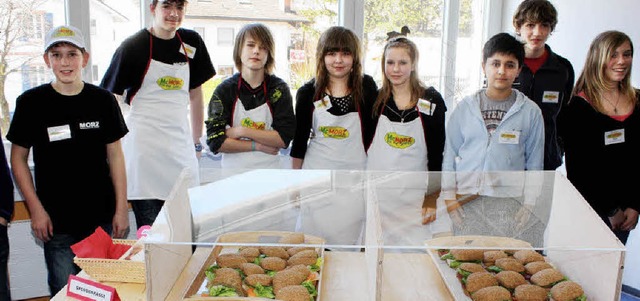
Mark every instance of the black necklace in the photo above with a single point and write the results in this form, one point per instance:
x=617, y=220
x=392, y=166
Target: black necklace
x=402, y=114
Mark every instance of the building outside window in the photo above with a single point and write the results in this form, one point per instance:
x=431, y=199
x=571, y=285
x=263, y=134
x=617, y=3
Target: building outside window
x=225, y=36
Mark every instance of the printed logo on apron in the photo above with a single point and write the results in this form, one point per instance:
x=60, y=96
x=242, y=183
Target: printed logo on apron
x=260, y=118
x=248, y=123
x=396, y=140
x=170, y=83
x=398, y=145
x=336, y=141
x=335, y=132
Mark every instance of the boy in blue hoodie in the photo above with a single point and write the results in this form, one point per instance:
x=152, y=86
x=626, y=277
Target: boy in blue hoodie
x=497, y=128
x=492, y=137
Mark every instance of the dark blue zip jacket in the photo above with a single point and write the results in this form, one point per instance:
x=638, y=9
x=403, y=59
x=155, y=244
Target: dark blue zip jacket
x=550, y=88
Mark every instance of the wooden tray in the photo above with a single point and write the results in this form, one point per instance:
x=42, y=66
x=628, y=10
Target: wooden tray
x=258, y=237
x=477, y=242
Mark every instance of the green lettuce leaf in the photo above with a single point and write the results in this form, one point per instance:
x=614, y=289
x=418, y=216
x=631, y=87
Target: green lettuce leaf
x=222, y=291
x=310, y=287
x=264, y=291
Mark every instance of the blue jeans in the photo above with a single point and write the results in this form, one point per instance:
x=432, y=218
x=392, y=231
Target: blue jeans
x=146, y=211
x=59, y=259
x=5, y=293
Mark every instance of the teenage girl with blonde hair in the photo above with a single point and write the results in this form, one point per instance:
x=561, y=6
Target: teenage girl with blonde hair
x=600, y=129
x=408, y=116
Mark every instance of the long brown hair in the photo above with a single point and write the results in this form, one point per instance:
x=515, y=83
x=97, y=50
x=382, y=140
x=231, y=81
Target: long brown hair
x=338, y=38
x=260, y=33
x=592, y=80
x=417, y=87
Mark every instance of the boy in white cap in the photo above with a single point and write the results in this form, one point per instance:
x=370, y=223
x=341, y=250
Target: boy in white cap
x=74, y=129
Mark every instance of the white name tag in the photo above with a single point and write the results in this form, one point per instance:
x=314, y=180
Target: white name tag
x=57, y=133
x=551, y=97
x=613, y=137
x=509, y=137
x=426, y=107
x=324, y=103
x=191, y=51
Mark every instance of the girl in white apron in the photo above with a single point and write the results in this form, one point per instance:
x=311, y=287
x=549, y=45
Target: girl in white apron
x=330, y=108
x=330, y=135
x=408, y=135
x=410, y=128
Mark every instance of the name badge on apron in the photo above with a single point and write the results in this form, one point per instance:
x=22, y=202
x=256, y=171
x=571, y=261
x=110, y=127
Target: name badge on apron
x=613, y=137
x=509, y=137
x=426, y=106
x=191, y=51
x=57, y=133
x=323, y=103
x=550, y=97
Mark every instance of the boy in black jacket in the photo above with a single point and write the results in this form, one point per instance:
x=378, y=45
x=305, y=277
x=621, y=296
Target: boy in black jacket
x=546, y=78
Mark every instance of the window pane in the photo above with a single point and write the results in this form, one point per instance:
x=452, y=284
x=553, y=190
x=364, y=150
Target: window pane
x=25, y=40
x=112, y=21
x=383, y=18
x=295, y=25
x=469, y=49
x=424, y=20
x=225, y=36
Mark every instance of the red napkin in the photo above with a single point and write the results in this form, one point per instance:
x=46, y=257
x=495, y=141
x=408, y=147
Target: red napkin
x=117, y=250
x=99, y=245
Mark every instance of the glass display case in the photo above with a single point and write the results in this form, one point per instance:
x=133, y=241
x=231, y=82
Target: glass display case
x=377, y=242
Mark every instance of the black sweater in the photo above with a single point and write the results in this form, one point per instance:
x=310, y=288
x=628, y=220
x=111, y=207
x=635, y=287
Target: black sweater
x=600, y=172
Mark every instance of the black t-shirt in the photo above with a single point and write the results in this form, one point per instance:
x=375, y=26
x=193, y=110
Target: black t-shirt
x=69, y=135
x=129, y=63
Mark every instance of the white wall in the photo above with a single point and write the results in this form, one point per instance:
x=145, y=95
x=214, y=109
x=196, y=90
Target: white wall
x=580, y=21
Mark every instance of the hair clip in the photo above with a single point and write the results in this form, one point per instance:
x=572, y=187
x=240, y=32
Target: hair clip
x=404, y=31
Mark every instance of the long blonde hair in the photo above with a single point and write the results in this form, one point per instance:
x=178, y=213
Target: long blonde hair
x=338, y=38
x=417, y=87
x=592, y=80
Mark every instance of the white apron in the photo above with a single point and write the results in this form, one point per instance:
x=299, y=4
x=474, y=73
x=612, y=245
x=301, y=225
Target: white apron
x=400, y=197
x=337, y=143
x=398, y=146
x=258, y=118
x=159, y=144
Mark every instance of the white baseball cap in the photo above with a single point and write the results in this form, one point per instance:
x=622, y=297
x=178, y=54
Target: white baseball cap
x=65, y=33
